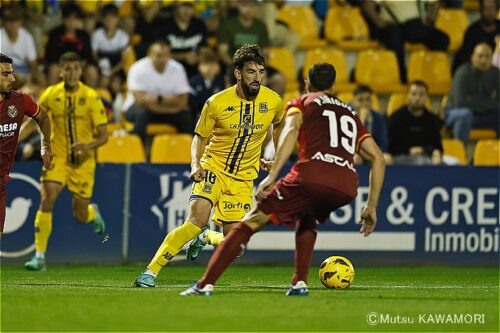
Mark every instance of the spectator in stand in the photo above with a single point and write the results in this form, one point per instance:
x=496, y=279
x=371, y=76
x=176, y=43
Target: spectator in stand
x=496, y=54
x=67, y=38
x=279, y=34
x=109, y=42
x=473, y=101
x=414, y=132
x=235, y=31
x=395, y=22
x=158, y=91
x=208, y=82
x=372, y=120
x=483, y=30
x=187, y=36
x=18, y=43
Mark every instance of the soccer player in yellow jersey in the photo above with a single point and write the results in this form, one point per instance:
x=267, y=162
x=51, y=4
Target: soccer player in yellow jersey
x=237, y=120
x=76, y=113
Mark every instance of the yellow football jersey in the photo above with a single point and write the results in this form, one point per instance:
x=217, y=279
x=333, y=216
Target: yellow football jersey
x=73, y=117
x=238, y=128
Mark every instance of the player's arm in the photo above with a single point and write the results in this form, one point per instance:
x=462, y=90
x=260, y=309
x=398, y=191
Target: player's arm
x=197, y=148
x=161, y=104
x=369, y=151
x=286, y=144
x=42, y=119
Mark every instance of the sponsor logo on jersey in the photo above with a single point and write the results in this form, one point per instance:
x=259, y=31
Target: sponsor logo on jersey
x=247, y=119
x=7, y=130
x=236, y=206
x=246, y=126
x=12, y=111
x=230, y=108
x=263, y=107
x=334, y=159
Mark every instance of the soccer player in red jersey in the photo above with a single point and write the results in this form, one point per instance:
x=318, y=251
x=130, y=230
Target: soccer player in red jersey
x=14, y=105
x=322, y=180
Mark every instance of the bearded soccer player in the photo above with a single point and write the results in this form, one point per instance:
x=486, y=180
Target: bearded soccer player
x=237, y=120
x=14, y=105
x=322, y=180
x=76, y=113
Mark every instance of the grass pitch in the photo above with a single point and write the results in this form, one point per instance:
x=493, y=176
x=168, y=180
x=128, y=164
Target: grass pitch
x=247, y=298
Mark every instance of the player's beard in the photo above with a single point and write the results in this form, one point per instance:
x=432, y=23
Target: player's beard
x=249, y=91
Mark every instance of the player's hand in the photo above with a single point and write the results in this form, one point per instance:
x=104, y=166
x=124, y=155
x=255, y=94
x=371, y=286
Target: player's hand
x=266, y=165
x=197, y=173
x=368, y=221
x=264, y=188
x=47, y=157
x=80, y=147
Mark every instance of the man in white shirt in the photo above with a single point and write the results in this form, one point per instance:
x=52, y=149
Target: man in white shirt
x=158, y=92
x=18, y=43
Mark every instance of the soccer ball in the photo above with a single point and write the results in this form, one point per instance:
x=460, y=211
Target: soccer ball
x=336, y=272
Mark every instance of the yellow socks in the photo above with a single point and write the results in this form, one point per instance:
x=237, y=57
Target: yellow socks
x=172, y=244
x=91, y=213
x=213, y=237
x=43, y=228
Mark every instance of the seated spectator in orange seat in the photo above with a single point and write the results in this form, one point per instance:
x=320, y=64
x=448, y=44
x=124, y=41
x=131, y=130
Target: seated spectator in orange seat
x=414, y=132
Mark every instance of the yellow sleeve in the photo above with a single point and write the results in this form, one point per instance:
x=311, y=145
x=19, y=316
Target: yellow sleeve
x=280, y=112
x=98, y=112
x=43, y=100
x=207, y=119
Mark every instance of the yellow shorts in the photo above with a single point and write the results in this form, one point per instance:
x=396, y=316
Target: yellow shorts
x=230, y=197
x=79, y=179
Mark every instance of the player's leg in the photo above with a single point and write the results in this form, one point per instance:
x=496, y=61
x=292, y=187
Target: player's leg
x=49, y=192
x=3, y=206
x=228, y=250
x=86, y=212
x=199, y=213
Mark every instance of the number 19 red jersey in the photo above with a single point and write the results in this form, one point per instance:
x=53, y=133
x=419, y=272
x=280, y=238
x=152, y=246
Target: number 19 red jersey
x=329, y=136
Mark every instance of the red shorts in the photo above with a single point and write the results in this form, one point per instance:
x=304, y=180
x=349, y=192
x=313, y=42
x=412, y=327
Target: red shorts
x=290, y=202
x=3, y=204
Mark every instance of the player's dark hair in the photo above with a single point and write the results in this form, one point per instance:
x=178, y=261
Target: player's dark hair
x=69, y=57
x=5, y=59
x=362, y=89
x=322, y=76
x=109, y=9
x=71, y=9
x=481, y=5
x=248, y=53
x=160, y=42
x=419, y=83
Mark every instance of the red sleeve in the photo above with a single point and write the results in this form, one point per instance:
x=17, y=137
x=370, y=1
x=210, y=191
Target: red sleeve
x=293, y=105
x=30, y=107
x=363, y=133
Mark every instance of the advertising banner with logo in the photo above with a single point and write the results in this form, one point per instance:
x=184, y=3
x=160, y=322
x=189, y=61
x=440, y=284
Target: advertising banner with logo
x=442, y=215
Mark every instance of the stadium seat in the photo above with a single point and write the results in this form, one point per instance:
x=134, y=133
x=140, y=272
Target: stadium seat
x=396, y=101
x=347, y=97
x=487, y=153
x=482, y=134
x=471, y=5
x=122, y=149
x=160, y=128
x=308, y=27
x=453, y=22
x=379, y=70
x=346, y=27
x=171, y=148
x=336, y=58
x=282, y=60
x=129, y=58
x=433, y=68
x=454, y=148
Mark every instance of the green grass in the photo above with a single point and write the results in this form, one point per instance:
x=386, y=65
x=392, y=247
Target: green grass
x=247, y=298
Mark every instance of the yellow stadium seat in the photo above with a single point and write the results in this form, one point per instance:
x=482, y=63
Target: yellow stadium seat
x=122, y=149
x=398, y=100
x=282, y=60
x=129, y=58
x=482, y=134
x=347, y=97
x=487, y=153
x=433, y=68
x=471, y=5
x=159, y=128
x=346, y=27
x=171, y=148
x=303, y=21
x=454, y=148
x=379, y=70
x=453, y=22
x=336, y=58
x=412, y=47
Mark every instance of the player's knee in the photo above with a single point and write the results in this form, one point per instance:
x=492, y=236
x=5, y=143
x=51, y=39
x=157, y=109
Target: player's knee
x=199, y=222
x=306, y=224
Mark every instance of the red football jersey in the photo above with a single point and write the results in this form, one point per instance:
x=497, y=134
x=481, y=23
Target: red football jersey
x=329, y=136
x=12, y=110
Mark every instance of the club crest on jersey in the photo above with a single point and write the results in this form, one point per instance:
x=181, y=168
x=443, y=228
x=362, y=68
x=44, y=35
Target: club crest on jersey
x=263, y=107
x=207, y=188
x=12, y=111
x=81, y=101
x=247, y=119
